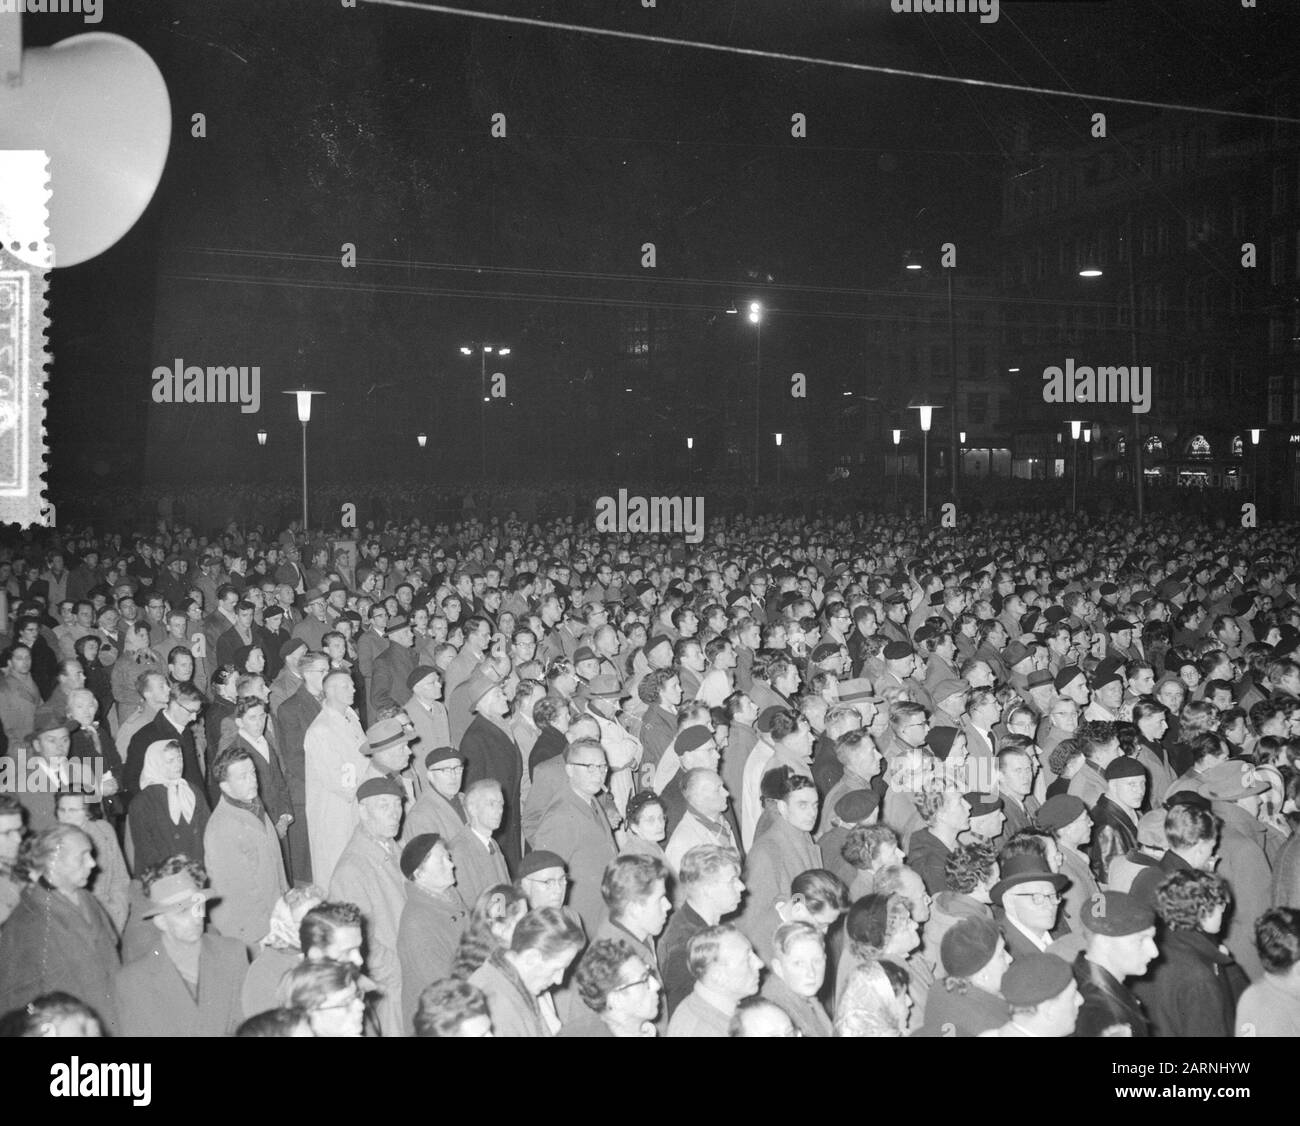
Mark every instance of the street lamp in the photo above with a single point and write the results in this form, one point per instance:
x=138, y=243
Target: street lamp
x=303, y=398
x=927, y=415
x=423, y=439
x=261, y=437
x=690, y=449
x=1075, y=426
x=778, y=461
x=484, y=350
x=898, y=466
x=1254, y=477
x=912, y=262
x=756, y=319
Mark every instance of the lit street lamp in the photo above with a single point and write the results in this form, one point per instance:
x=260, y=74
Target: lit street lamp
x=484, y=350
x=1254, y=477
x=304, y=397
x=898, y=467
x=778, y=461
x=927, y=415
x=423, y=439
x=261, y=437
x=756, y=319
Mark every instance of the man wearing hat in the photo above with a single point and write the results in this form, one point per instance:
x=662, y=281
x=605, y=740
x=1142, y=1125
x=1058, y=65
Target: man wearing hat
x=1152, y=844
x=576, y=829
x=543, y=878
x=851, y=809
x=1121, y=944
x=1067, y=819
x=389, y=747
x=1038, y=695
x=369, y=874
x=950, y=697
x=1107, y=695
x=1233, y=789
x=900, y=664
x=1026, y=902
x=1043, y=998
x=289, y=678
x=433, y=919
x=425, y=709
x=967, y=1000
x=1115, y=814
x=439, y=808
x=1120, y=644
x=388, y=688
x=622, y=748
x=490, y=752
x=986, y=818
x=188, y=983
x=334, y=765
x=313, y=627
x=46, y=771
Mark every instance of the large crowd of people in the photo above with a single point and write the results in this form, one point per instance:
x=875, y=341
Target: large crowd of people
x=839, y=775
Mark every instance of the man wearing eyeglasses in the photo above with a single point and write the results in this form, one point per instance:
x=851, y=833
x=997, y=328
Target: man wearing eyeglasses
x=1026, y=902
x=440, y=808
x=174, y=721
x=542, y=878
x=575, y=828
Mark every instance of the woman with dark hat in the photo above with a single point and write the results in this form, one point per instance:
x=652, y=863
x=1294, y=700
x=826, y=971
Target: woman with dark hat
x=1194, y=988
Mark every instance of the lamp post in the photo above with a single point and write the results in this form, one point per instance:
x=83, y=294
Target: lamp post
x=261, y=437
x=756, y=319
x=927, y=415
x=484, y=350
x=898, y=437
x=911, y=262
x=1254, y=476
x=690, y=449
x=1075, y=425
x=304, y=397
x=778, y=461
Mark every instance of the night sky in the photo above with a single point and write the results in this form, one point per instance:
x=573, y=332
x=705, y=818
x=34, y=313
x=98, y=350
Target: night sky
x=328, y=125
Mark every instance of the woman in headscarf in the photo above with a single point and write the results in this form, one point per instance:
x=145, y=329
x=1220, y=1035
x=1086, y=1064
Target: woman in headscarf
x=98, y=678
x=168, y=815
x=280, y=950
x=59, y=936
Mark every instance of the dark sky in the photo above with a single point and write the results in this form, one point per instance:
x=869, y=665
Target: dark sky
x=370, y=125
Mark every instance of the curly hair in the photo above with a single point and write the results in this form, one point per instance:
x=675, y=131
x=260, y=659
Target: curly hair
x=1187, y=896
x=873, y=920
x=931, y=799
x=174, y=866
x=599, y=971
x=862, y=846
x=970, y=865
x=446, y=1005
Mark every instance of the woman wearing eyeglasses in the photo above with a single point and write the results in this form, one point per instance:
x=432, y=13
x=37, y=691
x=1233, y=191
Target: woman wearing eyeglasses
x=330, y=994
x=620, y=993
x=169, y=815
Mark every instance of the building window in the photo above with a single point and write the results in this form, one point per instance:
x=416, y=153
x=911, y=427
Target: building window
x=1154, y=445
x=1199, y=446
x=1121, y=446
x=1236, y=446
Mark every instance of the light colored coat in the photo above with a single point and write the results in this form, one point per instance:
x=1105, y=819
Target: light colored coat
x=476, y=868
x=242, y=855
x=368, y=875
x=578, y=832
x=154, y=1001
x=335, y=767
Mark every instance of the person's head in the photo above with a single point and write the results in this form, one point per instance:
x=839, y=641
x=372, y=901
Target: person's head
x=235, y=774
x=799, y=957
x=62, y=856
x=1041, y=993
x=1193, y=833
x=587, y=767
x=426, y=861
x=634, y=888
x=1121, y=933
x=184, y=703
x=972, y=869
x=944, y=807
x=1188, y=900
x=445, y=770
x=485, y=805
x=451, y=1007
x=1277, y=939
x=909, y=723
x=710, y=880
x=332, y=931
x=880, y=924
x=52, y=1014
x=615, y=982
x=543, y=944
x=331, y=994
x=646, y=817
x=280, y=1023
x=1034, y=904
x=1126, y=782
x=857, y=752
x=794, y=795
x=973, y=950
x=379, y=807
x=177, y=898
x=721, y=959
x=1016, y=767
x=869, y=848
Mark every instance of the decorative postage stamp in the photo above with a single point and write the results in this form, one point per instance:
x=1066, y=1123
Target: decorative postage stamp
x=24, y=261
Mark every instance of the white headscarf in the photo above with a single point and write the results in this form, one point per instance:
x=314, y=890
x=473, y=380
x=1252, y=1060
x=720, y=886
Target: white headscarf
x=180, y=794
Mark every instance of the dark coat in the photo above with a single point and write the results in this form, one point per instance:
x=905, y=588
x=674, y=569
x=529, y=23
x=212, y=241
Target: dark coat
x=101, y=748
x=49, y=943
x=550, y=744
x=1114, y=834
x=427, y=938
x=160, y=728
x=491, y=753
x=951, y=1010
x=292, y=720
x=272, y=784
x=388, y=682
x=684, y=924
x=1286, y=874
x=153, y=836
x=1105, y=1002
x=156, y=1002
x=926, y=856
x=1193, y=989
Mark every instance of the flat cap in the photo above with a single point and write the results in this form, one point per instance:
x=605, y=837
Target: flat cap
x=378, y=787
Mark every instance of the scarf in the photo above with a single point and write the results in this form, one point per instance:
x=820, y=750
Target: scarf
x=180, y=794
x=255, y=807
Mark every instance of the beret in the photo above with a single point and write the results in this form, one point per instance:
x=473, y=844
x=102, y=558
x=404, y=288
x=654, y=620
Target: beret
x=968, y=946
x=1124, y=767
x=275, y=610
x=1058, y=811
x=1054, y=614
x=1118, y=625
x=1104, y=676
x=539, y=861
x=940, y=740
x=291, y=646
x=898, y=650
x=1116, y=913
x=441, y=754
x=1242, y=603
x=378, y=787
x=645, y=586
x=1066, y=675
x=692, y=738
x=413, y=855
x=1034, y=978
x=764, y=721
x=895, y=599
x=824, y=652
x=734, y=596
x=1107, y=589
x=419, y=673
x=856, y=805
